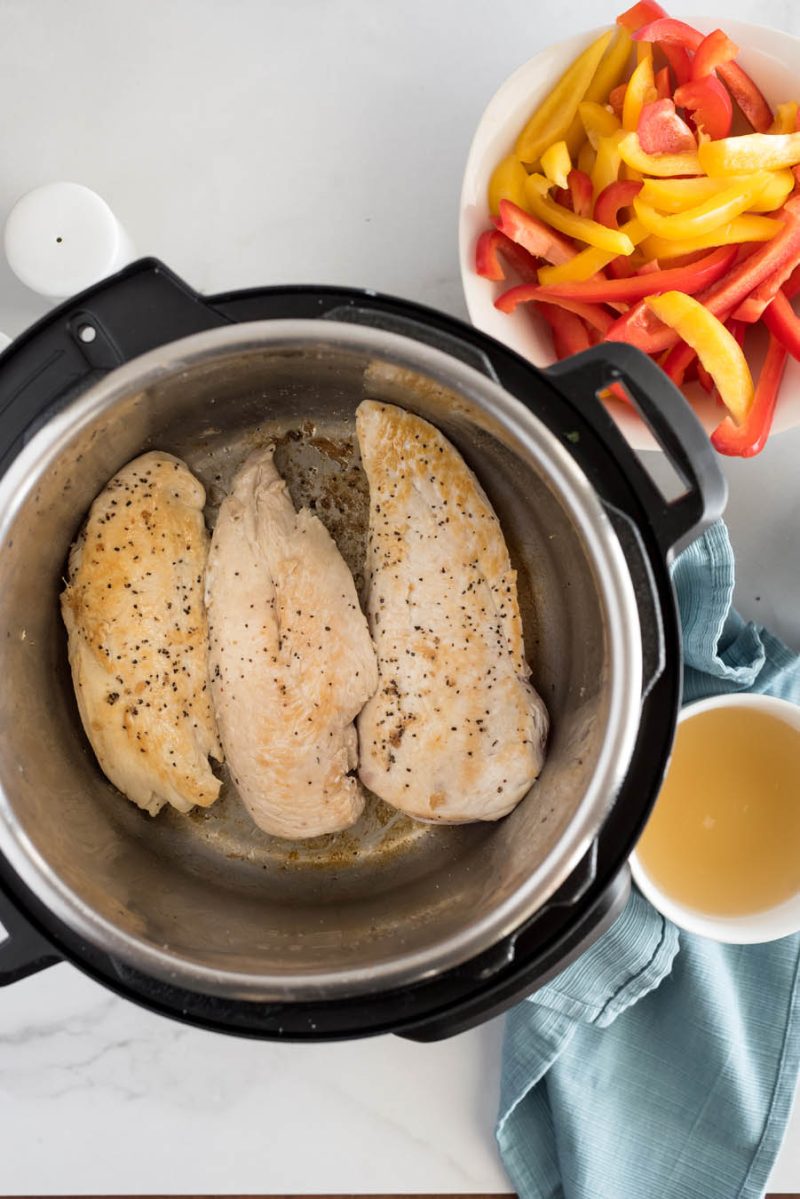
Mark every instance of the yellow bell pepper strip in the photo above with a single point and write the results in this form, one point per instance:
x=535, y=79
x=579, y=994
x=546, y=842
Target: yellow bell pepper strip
x=611, y=70
x=662, y=131
x=741, y=229
x=597, y=120
x=586, y=158
x=491, y=246
x=640, y=90
x=689, y=279
x=607, y=162
x=752, y=152
x=556, y=163
x=537, y=238
x=785, y=118
x=661, y=165
x=588, y=262
x=749, y=438
x=715, y=346
x=580, y=227
x=507, y=183
x=703, y=218
x=643, y=50
x=592, y=314
x=639, y=327
x=676, y=195
x=552, y=119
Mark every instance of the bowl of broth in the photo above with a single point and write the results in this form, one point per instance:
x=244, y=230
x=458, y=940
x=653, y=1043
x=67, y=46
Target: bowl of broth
x=720, y=854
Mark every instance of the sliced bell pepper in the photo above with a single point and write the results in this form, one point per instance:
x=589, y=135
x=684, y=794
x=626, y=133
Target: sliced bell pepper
x=709, y=103
x=582, y=228
x=639, y=328
x=491, y=246
x=785, y=118
x=538, y=239
x=610, y=71
x=716, y=348
x=679, y=61
x=616, y=98
x=640, y=90
x=750, y=437
x=663, y=84
x=792, y=285
x=750, y=99
x=688, y=279
x=716, y=48
x=582, y=192
x=507, y=183
x=661, y=165
x=752, y=152
x=752, y=308
x=570, y=335
x=552, y=119
x=591, y=314
x=677, y=362
x=640, y=14
x=704, y=379
x=588, y=262
x=784, y=324
x=556, y=163
x=661, y=130
x=676, y=195
x=619, y=194
x=740, y=230
x=597, y=121
x=586, y=158
x=644, y=50
x=694, y=222
x=607, y=162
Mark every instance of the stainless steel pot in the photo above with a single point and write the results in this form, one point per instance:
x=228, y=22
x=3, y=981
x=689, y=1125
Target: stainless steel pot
x=208, y=902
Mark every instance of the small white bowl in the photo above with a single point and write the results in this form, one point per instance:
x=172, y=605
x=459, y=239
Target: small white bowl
x=770, y=56
x=768, y=925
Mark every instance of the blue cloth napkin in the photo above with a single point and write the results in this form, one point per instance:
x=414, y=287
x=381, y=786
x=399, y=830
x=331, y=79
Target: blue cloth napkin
x=661, y=1065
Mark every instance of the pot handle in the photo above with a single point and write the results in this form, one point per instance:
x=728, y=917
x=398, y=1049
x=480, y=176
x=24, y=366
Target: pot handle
x=24, y=951
x=673, y=424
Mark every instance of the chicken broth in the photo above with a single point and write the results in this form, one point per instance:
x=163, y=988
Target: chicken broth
x=724, y=837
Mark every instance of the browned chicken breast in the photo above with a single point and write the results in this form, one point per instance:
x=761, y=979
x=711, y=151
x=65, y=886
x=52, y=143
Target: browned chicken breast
x=138, y=637
x=455, y=731
x=292, y=662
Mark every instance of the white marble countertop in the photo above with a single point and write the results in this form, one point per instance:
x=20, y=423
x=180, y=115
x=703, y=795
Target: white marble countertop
x=253, y=142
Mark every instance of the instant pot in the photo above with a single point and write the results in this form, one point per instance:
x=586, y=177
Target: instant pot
x=393, y=926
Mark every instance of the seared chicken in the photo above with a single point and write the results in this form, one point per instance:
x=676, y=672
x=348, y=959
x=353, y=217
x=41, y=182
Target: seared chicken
x=138, y=637
x=292, y=662
x=455, y=731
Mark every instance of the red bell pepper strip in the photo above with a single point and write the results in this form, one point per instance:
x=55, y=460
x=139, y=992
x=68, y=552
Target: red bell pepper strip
x=738, y=329
x=663, y=84
x=640, y=14
x=532, y=234
x=753, y=306
x=491, y=246
x=715, y=49
x=591, y=314
x=640, y=327
x=792, y=285
x=614, y=197
x=749, y=438
x=679, y=60
x=581, y=191
x=616, y=98
x=678, y=361
x=689, y=279
x=740, y=85
x=569, y=332
x=704, y=379
x=784, y=324
x=661, y=130
x=709, y=103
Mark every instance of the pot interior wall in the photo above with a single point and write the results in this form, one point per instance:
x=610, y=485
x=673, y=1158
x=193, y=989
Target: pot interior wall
x=210, y=887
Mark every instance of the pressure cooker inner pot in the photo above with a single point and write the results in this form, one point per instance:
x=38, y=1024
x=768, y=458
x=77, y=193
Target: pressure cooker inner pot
x=209, y=895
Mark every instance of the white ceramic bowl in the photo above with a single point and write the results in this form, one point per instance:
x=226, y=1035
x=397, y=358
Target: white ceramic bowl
x=768, y=925
x=771, y=57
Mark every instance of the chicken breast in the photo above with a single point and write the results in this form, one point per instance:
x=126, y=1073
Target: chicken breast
x=292, y=662
x=138, y=636
x=455, y=731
